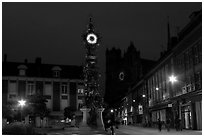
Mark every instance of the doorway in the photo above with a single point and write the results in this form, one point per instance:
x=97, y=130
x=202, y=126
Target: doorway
x=186, y=117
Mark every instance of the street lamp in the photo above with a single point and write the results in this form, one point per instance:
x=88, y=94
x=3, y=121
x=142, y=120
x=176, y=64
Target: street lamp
x=111, y=110
x=143, y=95
x=22, y=104
x=172, y=79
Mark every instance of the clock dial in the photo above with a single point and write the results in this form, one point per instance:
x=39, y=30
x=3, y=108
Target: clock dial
x=91, y=38
x=121, y=76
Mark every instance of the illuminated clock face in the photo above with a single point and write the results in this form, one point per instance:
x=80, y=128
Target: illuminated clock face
x=91, y=38
x=121, y=76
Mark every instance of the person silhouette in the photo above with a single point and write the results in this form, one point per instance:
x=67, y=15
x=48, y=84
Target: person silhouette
x=159, y=124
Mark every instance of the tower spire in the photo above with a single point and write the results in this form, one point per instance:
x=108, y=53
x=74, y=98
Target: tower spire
x=90, y=26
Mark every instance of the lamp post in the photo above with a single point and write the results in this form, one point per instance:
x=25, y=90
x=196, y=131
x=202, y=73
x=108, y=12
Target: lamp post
x=22, y=104
x=172, y=79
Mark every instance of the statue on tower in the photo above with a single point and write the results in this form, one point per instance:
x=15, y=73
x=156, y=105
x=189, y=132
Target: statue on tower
x=92, y=98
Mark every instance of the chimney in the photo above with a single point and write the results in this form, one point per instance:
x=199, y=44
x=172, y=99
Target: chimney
x=38, y=60
x=5, y=57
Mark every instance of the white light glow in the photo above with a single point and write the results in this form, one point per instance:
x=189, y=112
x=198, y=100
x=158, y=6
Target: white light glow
x=172, y=79
x=22, y=102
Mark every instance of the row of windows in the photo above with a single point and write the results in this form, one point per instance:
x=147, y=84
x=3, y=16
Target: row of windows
x=159, y=89
x=189, y=58
x=56, y=73
x=159, y=85
x=31, y=89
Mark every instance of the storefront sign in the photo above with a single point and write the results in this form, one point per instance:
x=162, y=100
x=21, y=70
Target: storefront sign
x=169, y=105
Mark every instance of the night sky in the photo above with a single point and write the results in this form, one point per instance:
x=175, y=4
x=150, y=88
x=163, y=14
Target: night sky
x=53, y=30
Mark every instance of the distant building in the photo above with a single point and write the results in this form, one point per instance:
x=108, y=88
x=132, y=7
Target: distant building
x=167, y=99
x=62, y=85
x=123, y=72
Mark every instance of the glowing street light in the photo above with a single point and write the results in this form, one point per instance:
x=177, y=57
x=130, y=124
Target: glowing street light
x=143, y=95
x=172, y=79
x=111, y=110
x=22, y=104
x=133, y=100
x=157, y=89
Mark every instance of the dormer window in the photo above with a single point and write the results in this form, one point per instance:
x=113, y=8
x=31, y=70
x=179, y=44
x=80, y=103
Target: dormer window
x=56, y=74
x=22, y=70
x=56, y=71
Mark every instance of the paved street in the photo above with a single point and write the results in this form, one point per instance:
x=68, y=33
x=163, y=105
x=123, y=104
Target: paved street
x=123, y=130
x=132, y=130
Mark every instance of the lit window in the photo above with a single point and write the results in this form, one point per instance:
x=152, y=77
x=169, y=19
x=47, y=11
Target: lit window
x=64, y=89
x=31, y=88
x=80, y=91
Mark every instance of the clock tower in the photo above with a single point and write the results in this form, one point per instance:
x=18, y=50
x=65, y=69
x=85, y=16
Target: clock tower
x=92, y=98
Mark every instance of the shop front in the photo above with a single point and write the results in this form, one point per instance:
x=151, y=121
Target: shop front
x=188, y=108
x=162, y=112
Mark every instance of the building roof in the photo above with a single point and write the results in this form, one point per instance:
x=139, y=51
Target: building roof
x=42, y=70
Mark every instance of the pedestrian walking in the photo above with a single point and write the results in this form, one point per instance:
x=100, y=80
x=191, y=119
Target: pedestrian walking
x=110, y=125
x=177, y=123
x=180, y=124
x=168, y=123
x=159, y=124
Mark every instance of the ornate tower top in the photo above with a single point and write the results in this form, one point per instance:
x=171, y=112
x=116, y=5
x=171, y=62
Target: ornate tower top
x=91, y=74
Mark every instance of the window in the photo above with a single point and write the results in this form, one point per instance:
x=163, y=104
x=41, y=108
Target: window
x=56, y=74
x=197, y=49
x=48, y=89
x=11, y=96
x=22, y=72
x=198, y=80
x=47, y=96
x=80, y=91
x=12, y=93
x=80, y=97
x=31, y=88
x=56, y=71
x=12, y=87
x=64, y=97
x=64, y=89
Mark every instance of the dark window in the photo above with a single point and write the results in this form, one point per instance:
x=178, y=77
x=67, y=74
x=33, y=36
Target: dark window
x=12, y=81
x=12, y=96
x=56, y=74
x=198, y=80
x=64, y=97
x=47, y=82
x=47, y=96
x=80, y=97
